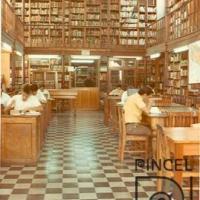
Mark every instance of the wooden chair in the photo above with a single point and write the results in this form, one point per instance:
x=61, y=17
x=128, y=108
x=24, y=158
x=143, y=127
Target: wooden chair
x=124, y=137
x=114, y=116
x=197, y=125
x=165, y=152
x=162, y=154
x=180, y=119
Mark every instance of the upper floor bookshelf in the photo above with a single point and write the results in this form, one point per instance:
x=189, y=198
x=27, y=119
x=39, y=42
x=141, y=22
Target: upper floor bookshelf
x=182, y=19
x=85, y=23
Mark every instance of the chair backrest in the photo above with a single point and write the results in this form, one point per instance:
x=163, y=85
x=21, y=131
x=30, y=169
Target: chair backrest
x=122, y=124
x=162, y=146
x=119, y=113
x=180, y=119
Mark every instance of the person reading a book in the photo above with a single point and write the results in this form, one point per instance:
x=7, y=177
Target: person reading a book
x=118, y=91
x=4, y=100
x=37, y=93
x=130, y=91
x=24, y=102
x=44, y=91
x=135, y=105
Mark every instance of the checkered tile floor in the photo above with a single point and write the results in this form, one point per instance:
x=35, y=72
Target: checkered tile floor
x=79, y=161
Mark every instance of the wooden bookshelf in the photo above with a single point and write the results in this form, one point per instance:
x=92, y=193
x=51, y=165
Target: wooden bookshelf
x=82, y=73
x=130, y=72
x=155, y=73
x=13, y=34
x=103, y=74
x=85, y=23
x=178, y=74
x=48, y=71
x=182, y=18
x=18, y=71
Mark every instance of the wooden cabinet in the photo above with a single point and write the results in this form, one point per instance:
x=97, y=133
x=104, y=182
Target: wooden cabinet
x=129, y=73
x=20, y=139
x=88, y=98
x=49, y=78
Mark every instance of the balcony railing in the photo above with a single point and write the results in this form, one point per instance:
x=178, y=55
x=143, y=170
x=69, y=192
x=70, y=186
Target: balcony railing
x=156, y=32
x=184, y=21
x=179, y=23
x=10, y=23
x=19, y=30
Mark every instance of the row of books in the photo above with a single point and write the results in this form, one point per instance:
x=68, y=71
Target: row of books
x=132, y=42
x=128, y=2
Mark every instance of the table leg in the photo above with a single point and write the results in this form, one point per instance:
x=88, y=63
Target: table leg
x=74, y=105
x=178, y=155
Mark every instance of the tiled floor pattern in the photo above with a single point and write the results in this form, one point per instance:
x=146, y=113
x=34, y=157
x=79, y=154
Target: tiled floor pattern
x=79, y=161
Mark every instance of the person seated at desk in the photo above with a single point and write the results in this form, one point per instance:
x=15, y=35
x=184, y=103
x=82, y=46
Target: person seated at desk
x=134, y=107
x=4, y=100
x=130, y=91
x=44, y=91
x=37, y=93
x=25, y=101
x=117, y=91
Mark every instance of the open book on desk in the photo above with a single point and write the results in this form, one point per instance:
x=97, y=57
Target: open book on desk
x=155, y=110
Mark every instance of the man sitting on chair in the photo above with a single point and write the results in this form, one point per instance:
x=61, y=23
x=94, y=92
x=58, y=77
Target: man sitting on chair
x=135, y=105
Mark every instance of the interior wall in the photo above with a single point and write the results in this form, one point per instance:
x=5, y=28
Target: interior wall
x=161, y=8
x=5, y=67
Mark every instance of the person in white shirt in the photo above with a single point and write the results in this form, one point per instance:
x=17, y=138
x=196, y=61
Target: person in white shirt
x=24, y=102
x=130, y=91
x=117, y=91
x=44, y=91
x=37, y=93
x=4, y=99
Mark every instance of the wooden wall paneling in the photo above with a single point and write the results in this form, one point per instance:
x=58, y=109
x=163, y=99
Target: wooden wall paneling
x=5, y=67
x=88, y=98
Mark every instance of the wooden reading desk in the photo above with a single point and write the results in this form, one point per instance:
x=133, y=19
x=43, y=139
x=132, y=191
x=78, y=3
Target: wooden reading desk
x=63, y=95
x=23, y=136
x=183, y=141
x=21, y=139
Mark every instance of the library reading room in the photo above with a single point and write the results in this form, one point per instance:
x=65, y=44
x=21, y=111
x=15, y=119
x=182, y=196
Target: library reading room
x=100, y=100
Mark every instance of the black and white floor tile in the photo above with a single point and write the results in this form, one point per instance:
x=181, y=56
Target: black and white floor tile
x=79, y=161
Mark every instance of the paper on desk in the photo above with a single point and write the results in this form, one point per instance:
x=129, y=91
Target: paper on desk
x=155, y=110
x=33, y=113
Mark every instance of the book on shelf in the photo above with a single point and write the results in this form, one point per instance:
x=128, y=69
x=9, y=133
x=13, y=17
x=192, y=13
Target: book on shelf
x=127, y=16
